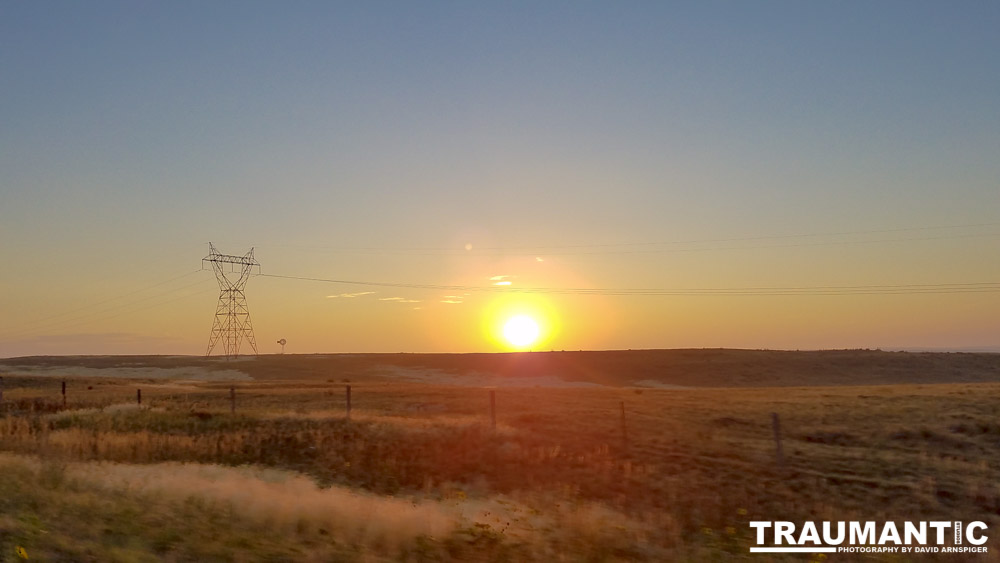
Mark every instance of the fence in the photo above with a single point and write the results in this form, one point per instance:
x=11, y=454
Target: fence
x=623, y=427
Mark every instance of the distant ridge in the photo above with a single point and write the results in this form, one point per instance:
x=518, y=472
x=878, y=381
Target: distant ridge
x=656, y=368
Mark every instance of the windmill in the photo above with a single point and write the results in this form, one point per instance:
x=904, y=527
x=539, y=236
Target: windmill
x=282, y=342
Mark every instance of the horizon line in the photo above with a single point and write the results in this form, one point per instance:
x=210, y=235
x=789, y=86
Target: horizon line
x=908, y=350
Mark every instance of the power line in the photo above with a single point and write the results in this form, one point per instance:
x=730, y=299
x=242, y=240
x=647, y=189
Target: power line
x=102, y=313
x=757, y=247
x=644, y=247
x=232, y=323
x=776, y=237
x=110, y=300
x=105, y=317
x=899, y=289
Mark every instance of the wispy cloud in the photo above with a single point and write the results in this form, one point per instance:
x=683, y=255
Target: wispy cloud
x=350, y=295
x=502, y=280
x=452, y=301
x=399, y=299
x=539, y=259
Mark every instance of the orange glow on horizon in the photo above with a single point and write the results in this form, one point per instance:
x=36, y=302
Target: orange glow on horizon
x=519, y=322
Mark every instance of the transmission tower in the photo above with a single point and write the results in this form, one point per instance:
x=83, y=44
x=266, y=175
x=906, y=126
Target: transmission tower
x=232, y=318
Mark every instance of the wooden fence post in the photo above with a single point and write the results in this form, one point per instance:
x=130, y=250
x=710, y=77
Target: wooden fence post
x=64, y=393
x=232, y=399
x=624, y=429
x=493, y=410
x=138, y=397
x=779, y=454
x=347, y=392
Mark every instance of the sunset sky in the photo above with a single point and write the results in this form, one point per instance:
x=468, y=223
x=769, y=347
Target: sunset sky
x=433, y=150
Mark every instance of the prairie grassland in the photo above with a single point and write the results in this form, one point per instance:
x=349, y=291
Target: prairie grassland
x=691, y=368
x=418, y=474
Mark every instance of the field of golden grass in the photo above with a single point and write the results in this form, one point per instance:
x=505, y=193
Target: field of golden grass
x=419, y=473
x=688, y=368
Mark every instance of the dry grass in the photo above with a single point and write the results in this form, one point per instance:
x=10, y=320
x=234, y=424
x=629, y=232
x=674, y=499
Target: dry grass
x=694, y=368
x=418, y=473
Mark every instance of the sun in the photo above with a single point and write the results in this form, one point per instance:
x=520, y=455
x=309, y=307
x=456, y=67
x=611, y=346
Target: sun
x=520, y=322
x=521, y=331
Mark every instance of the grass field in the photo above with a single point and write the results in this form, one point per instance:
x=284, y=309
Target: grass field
x=418, y=473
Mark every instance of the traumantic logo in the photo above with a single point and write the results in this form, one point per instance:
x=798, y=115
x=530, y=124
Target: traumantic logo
x=870, y=537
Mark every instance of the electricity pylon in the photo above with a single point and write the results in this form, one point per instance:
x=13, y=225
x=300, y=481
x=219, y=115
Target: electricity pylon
x=232, y=318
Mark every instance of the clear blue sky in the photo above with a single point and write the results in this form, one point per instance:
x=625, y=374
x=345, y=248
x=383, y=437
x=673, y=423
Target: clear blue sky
x=131, y=134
